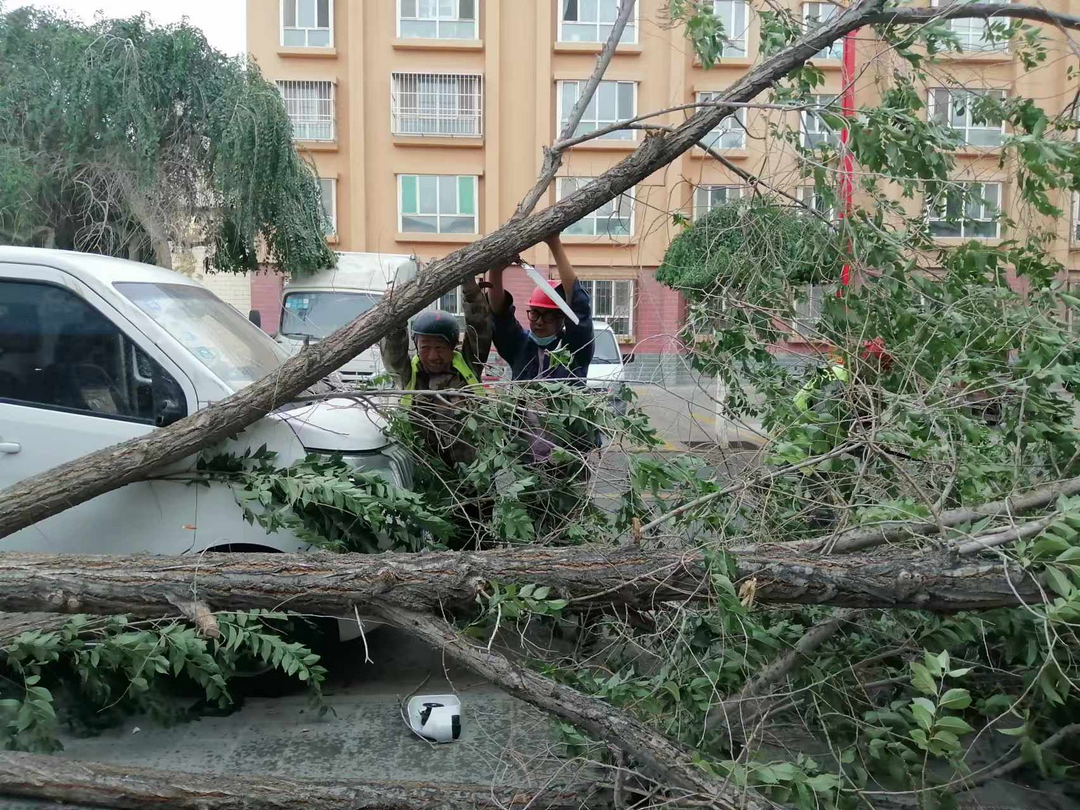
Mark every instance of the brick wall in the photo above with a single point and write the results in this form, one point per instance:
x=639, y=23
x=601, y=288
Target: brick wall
x=658, y=316
x=266, y=287
x=232, y=288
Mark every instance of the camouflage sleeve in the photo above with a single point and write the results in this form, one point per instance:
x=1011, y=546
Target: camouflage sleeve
x=394, y=349
x=476, y=346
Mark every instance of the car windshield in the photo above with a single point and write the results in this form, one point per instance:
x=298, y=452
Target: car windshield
x=217, y=335
x=605, y=349
x=318, y=313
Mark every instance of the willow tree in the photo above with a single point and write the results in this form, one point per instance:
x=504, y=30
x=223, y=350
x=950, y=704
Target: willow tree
x=126, y=138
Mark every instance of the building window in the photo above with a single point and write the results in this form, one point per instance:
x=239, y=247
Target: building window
x=973, y=34
x=431, y=203
x=437, y=104
x=814, y=129
x=817, y=14
x=807, y=305
x=966, y=211
x=613, y=304
x=615, y=218
x=707, y=198
x=960, y=110
x=732, y=13
x=307, y=23
x=453, y=302
x=612, y=102
x=731, y=132
x=812, y=198
x=592, y=21
x=310, y=106
x=437, y=19
x=328, y=192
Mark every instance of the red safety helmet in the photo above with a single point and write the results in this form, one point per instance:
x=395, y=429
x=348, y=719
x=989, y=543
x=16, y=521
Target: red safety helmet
x=875, y=349
x=540, y=300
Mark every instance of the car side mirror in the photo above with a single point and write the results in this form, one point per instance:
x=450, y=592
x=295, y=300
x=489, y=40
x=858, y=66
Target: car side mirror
x=255, y=317
x=630, y=358
x=170, y=411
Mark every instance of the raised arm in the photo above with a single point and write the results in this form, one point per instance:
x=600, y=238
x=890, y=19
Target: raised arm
x=566, y=270
x=496, y=294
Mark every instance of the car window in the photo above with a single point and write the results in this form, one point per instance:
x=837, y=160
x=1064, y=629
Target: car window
x=57, y=351
x=317, y=314
x=216, y=334
x=605, y=349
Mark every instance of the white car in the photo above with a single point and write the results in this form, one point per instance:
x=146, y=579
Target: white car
x=607, y=371
x=96, y=350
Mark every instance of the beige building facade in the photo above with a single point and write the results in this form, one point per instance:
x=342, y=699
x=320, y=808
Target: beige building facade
x=427, y=121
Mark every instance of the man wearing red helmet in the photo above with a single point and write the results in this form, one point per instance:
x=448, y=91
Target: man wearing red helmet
x=528, y=351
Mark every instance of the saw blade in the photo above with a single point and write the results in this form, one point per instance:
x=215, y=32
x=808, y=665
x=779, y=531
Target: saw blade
x=549, y=291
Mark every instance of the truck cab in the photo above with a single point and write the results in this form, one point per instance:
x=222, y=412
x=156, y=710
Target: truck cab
x=96, y=350
x=317, y=305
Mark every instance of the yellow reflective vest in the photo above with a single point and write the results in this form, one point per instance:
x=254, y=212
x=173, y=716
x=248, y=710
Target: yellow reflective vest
x=460, y=366
x=835, y=371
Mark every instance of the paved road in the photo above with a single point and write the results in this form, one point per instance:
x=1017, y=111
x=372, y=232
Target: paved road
x=504, y=741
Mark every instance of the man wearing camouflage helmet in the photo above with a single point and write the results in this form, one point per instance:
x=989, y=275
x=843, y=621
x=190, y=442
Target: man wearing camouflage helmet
x=439, y=366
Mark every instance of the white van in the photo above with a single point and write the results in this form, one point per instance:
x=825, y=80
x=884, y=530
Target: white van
x=96, y=350
x=317, y=305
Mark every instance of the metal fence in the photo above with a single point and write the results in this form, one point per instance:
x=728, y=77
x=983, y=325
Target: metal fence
x=448, y=104
x=310, y=106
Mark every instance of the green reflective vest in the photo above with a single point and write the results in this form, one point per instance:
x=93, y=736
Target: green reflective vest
x=460, y=366
x=835, y=371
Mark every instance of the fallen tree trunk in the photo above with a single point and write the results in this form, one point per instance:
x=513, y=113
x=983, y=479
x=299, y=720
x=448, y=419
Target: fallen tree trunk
x=55, y=490
x=126, y=786
x=332, y=584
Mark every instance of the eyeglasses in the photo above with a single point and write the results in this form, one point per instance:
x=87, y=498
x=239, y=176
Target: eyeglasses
x=545, y=315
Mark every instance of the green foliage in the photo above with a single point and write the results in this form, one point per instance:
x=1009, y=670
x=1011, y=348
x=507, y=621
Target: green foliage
x=528, y=474
x=120, y=135
x=326, y=501
x=94, y=671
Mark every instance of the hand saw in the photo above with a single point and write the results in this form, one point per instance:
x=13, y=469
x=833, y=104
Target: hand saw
x=549, y=291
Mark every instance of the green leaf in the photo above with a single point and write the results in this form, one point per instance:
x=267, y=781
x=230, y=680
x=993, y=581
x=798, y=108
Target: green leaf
x=955, y=699
x=954, y=724
x=824, y=782
x=922, y=680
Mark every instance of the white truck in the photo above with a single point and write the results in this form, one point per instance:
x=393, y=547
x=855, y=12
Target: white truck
x=96, y=350
x=315, y=306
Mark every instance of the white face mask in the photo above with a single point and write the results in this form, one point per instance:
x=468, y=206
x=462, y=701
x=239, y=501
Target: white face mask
x=544, y=341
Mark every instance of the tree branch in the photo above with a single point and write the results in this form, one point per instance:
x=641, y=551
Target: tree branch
x=749, y=703
x=915, y=16
x=553, y=156
x=670, y=762
x=128, y=786
x=332, y=584
x=867, y=537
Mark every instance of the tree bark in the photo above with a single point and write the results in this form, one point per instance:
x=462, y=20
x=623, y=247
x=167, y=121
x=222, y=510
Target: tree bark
x=332, y=584
x=125, y=786
x=53, y=491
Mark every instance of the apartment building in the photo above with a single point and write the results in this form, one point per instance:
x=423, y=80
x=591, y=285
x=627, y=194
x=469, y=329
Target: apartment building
x=427, y=120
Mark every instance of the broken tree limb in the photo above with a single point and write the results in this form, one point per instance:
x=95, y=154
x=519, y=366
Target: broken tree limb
x=553, y=156
x=332, y=584
x=665, y=759
x=126, y=786
x=867, y=537
x=751, y=701
x=55, y=490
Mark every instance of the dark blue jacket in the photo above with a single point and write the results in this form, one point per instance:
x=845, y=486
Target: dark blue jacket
x=515, y=344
